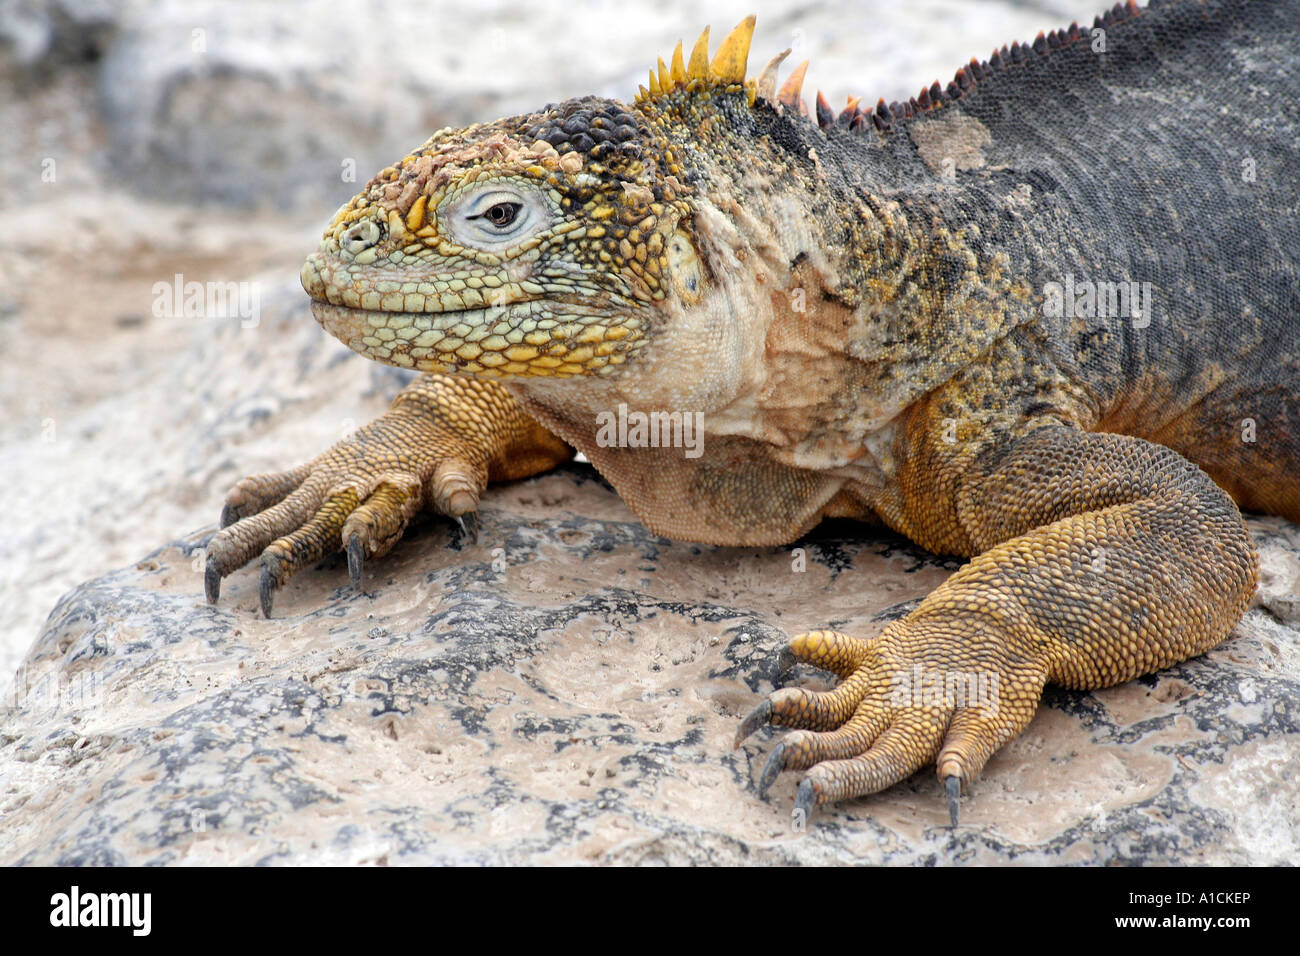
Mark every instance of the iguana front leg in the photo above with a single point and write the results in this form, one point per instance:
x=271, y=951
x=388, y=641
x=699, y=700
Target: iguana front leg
x=437, y=447
x=1099, y=558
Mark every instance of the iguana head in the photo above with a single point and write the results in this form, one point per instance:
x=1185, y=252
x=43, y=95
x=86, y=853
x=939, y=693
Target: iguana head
x=550, y=244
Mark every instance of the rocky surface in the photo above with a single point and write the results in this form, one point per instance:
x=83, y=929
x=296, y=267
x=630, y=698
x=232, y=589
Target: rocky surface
x=566, y=690
x=37, y=36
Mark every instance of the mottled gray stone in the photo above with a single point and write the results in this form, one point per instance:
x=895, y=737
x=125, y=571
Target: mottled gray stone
x=566, y=691
x=50, y=33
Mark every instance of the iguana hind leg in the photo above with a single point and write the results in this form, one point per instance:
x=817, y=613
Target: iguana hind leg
x=436, y=448
x=1099, y=558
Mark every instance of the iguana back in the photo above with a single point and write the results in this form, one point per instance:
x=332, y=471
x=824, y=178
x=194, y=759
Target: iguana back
x=1163, y=150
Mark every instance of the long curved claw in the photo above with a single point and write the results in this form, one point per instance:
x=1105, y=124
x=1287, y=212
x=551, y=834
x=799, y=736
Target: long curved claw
x=228, y=516
x=266, y=590
x=356, y=560
x=212, y=580
x=772, y=769
x=468, y=526
x=758, y=717
x=953, y=787
x=805, y=799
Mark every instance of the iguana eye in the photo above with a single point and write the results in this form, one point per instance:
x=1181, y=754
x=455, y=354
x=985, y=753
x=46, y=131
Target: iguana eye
x=502, y=214
x=496, y=215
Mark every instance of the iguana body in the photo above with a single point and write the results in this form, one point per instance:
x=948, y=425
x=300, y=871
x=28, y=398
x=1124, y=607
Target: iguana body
x=883, y=315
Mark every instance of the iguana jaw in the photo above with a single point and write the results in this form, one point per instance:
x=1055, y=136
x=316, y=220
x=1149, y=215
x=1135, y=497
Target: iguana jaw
x=493, y=342
x=527, y=338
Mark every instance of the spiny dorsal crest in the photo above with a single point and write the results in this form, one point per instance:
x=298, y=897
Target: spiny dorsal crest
x=727, y=69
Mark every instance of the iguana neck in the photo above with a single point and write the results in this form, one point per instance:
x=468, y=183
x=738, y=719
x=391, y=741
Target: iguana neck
x=829, y=306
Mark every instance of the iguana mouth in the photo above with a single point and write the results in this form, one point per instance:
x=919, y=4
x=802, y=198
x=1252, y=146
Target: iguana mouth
x=472, y=322
x=329, y=276
x=522, y=338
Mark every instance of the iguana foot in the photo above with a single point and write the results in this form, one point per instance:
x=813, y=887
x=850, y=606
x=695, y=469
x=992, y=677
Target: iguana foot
x=911, y=698
x=341, y=501
x=434, y=450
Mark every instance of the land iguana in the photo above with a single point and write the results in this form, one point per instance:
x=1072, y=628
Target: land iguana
x=1045, y=318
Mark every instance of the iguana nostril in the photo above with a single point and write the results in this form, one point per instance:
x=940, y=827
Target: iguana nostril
x=361, y=236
